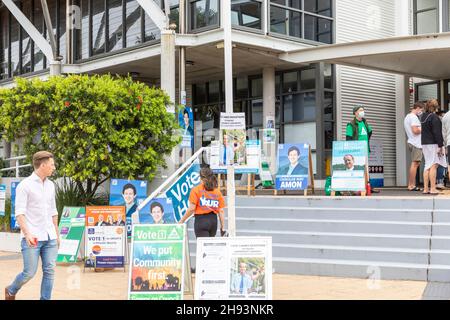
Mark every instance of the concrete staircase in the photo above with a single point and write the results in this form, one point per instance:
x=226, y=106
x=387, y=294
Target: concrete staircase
x=373, y=237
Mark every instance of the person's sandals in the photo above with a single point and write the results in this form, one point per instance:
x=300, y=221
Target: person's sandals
x=415, y=189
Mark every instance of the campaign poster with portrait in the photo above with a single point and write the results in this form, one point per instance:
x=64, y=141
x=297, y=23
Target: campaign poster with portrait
x=252, y=156
x=105, y=237
x=128, y=193
x=186, y=121
x=292, y=167
x=157, y=262
x=233, y=268
x=157, y=211
x=71, y=229
x=349, y=161
x=13, y=223
x=2, y=199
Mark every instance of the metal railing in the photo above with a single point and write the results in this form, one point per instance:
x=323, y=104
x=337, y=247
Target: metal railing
x=17, y=165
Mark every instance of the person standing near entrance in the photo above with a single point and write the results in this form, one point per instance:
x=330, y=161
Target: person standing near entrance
x=432, y=146
x=359, y=129
x=446, y=136
x=207, y=202
x=413, y=130
x=38, y=220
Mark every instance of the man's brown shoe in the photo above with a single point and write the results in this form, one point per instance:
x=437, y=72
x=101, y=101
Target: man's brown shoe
x=9, y=296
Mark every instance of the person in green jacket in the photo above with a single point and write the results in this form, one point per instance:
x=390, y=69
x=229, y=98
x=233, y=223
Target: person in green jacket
x=359, y=129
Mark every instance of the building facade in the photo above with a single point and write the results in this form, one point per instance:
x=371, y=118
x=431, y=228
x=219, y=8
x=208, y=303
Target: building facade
x=311, y=102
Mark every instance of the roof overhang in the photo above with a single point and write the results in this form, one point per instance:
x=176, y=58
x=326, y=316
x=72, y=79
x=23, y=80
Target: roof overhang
x=424, y=56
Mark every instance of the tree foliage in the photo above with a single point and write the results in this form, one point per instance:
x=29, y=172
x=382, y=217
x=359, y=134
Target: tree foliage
x=97, y=127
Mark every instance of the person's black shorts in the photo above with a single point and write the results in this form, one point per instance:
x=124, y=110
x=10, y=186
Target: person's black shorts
x=205, y=225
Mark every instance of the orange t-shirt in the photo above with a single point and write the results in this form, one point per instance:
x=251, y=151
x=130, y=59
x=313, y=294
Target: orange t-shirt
x=206, y=201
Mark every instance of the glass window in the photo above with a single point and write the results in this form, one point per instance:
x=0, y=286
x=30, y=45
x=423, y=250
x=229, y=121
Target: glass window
x=39, y=24
x=328, y=106
x=282, y=2
x=329, y=134
x=26, y=40
x=246, y=13
x=133, y=22
x=174, y=17
x=200, y=94
x=204, y=13
x=115, y=36
x=257, y=112
x=426, y=4
x=83, y=34
x=308, y=79
x=62, y=29
x=257, y=88
x=14, y=46
x=297, y=4
x=299, y=107
x=426, y=16
x=301, y=132
x=317, y=29
x=286, y=22
x=214, y=94
x=152, y=32
x=328, y=76
x=98, y=27
x=278, y=20
x=241, y=88
x=427, y=22
x=4, y=44
x=427, y=91
x=322, y=7
x=290, y=82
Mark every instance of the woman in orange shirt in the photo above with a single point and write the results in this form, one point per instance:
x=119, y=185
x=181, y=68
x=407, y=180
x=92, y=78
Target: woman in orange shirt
x=206, y=201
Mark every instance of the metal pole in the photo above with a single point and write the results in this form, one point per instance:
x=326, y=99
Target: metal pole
x=48, y=23
x=228, y=57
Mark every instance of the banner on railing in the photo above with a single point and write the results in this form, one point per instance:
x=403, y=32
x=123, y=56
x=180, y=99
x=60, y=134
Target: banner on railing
x=179, y=191
x=2, y=199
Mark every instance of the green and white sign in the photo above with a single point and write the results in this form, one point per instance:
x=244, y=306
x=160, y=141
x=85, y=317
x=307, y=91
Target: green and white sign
x=71, y=229
x=157, y=262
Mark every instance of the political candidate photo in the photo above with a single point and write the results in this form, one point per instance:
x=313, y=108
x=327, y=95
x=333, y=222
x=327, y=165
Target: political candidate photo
x=293, y=166
x=158, y=211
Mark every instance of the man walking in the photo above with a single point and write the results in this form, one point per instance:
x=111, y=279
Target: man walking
x=413, y=130
x=38, y=220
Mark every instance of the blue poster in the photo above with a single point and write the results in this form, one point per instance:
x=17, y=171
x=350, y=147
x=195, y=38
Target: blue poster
x=14, y=224
x=128, y=193
x=180, y=190
x=293, y=167
x=349, y=162
x=2, y=199
x=186, y=121
x=158, y=211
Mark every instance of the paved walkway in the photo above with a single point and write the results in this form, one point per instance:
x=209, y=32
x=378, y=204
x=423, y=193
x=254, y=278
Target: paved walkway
x=72, y=283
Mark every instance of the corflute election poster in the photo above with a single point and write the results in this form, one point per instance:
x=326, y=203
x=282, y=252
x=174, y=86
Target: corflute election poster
x=233, y=268
x=105, y=237
x=157, y=262
x=71, y=229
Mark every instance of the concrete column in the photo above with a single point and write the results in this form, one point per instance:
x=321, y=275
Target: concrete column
x=268, y=93
x=402, y=108
x=168, y=64
x=55, y=68
x=270, y=150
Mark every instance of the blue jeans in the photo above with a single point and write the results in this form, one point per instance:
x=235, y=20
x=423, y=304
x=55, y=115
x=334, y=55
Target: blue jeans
x=48, y=250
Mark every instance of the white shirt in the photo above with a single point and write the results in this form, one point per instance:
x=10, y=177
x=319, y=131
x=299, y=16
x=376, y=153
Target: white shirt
x=36, y=200
x=446, y=128
x=414, y=139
